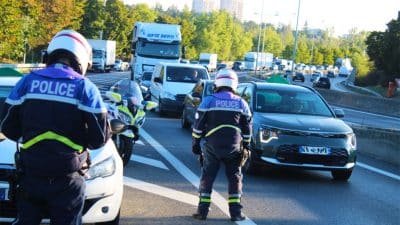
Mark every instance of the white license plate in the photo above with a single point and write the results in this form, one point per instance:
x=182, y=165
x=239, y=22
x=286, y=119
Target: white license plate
x=3, y=191
x=315, y=150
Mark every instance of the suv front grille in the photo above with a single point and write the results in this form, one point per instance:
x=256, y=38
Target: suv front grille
x=291, y=154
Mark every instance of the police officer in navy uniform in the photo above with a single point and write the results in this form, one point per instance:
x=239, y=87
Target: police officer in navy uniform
x=224, y=121
x=56, y=114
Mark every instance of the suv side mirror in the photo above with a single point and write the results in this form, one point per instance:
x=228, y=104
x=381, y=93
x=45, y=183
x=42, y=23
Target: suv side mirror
x=339, y=113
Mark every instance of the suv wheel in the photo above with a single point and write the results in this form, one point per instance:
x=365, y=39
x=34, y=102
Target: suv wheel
x=160, y=109
x=341, y=175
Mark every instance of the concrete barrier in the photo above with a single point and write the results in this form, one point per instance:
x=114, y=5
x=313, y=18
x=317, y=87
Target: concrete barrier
x=373, y=104
x=378, y=143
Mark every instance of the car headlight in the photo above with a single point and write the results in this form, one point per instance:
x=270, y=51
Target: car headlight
x=267, y=134
x=351, y=140
x=168, y=95
x=104, y=168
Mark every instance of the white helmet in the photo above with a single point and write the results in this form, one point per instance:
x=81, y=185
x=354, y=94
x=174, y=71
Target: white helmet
x=226, y=78
x=74, y=43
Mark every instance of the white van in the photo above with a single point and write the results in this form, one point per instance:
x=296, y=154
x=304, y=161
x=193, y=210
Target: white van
x=171, y=82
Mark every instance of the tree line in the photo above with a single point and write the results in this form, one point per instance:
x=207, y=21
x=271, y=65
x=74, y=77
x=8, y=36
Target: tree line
x=28, y=25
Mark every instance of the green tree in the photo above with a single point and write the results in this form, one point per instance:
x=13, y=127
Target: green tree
x=11, y=37
x=142, y=13
x=188, y=31
x=384, y=49
x=118, y=26
x=272, y=42
x=93, y=19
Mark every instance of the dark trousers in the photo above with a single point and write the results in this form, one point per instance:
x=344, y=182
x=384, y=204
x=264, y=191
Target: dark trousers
x=210, y=170
x=61, y=197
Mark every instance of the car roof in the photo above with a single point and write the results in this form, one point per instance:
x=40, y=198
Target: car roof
x=186, y=65
x=280, y=86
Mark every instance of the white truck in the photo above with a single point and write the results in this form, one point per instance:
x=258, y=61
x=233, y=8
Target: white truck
x=258, y=60
x=209, y=61
x=103, y=56
x=345, y=67
x=154, y=43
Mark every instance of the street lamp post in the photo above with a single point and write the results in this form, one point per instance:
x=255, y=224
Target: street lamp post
x=295, y=38
x=259, y=37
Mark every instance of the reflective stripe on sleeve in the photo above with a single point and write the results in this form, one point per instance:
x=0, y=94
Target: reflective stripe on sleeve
x=196, y=135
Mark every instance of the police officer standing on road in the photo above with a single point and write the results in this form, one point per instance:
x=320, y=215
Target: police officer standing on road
x=56, y=113
x=224, y=121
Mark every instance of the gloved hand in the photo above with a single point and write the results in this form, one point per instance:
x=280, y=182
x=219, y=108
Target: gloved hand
x=246, y=145
x=196, y=149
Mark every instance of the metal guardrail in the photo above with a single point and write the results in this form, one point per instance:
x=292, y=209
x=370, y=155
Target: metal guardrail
x=24, y=68
x=34, y=65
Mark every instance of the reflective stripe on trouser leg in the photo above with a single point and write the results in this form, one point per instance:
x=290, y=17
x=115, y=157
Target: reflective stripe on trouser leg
x=235, y=208
x=205, y=198
x=234, y=198
x=204, y=203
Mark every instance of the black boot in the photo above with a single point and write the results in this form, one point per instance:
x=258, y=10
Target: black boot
x=238, y=217
x=199, y=216
x=202, y=212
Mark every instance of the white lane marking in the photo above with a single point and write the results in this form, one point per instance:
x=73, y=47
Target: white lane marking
x=217, y=198
x=149, y=161
x=162, y=191
x=376, y=170
x=139, y=142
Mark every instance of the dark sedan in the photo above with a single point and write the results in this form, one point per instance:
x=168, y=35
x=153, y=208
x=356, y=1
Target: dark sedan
x=192, y=100
x=293, y=126
x=322, y=82
x=298, y=76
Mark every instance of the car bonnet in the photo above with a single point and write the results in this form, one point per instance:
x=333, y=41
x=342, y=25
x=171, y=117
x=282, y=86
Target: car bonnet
x=296, y=122
x=8, y=148
x=7, y=151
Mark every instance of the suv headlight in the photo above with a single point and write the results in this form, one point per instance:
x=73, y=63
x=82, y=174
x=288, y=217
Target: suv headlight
x=168, y=95
x=104, y=168
x=267, y=134
x=351, y=140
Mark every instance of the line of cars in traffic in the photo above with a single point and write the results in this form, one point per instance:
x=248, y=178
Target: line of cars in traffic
x=293, y=125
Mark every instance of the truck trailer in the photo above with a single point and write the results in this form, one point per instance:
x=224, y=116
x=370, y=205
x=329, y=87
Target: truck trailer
x=209, y=61
x=258, y=60
x=154, y=43
x=103, y=54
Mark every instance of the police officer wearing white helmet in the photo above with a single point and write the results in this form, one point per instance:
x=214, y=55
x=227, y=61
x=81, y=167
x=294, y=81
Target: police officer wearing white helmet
x=223, y=120
x=56, y=114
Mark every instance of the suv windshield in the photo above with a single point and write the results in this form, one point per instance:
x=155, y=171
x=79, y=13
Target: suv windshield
x=185, y=74
x=292, y=102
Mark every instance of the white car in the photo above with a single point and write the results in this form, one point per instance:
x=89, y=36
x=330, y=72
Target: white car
x=104, y=179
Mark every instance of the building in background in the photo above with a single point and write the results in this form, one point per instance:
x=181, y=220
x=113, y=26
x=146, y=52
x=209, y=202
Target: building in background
x=234, y=7
x=204, y=6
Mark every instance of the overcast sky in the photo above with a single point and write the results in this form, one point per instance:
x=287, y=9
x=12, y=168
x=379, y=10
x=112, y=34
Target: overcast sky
x=341, y=14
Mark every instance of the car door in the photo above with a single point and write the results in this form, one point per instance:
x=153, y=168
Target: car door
x=193, y=99
x=156, y=83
